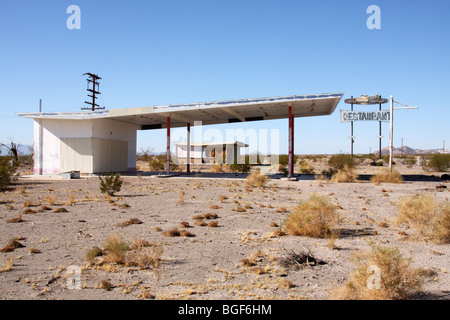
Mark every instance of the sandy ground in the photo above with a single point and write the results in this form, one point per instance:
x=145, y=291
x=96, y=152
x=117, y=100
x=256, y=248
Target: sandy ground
x=209, y=265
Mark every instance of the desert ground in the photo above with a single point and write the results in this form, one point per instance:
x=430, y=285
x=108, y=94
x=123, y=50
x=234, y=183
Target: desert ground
x=209, y=263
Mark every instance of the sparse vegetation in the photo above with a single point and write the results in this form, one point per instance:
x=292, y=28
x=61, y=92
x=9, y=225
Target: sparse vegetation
x=256, y=179
x=315, y=217
x=346, y=174
x=115, y=248
x=340, y=161
x=110, y=184
x=7, y=170
x=439, y=162
x=386, y=176
x=431, y=220
x=397, y=280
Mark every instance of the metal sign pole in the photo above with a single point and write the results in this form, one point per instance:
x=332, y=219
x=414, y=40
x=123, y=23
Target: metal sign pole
x=391, y=132
x=351, y=132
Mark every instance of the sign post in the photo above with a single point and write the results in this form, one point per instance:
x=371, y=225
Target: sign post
x=350, y=116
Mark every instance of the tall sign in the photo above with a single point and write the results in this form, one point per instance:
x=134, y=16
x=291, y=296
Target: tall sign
x=351, y=116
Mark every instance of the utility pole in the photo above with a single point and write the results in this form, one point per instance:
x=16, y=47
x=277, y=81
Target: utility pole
x=93, y=78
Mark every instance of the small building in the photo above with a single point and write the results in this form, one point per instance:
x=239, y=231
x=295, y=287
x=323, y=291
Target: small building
x=104, y=141
x=209, y=152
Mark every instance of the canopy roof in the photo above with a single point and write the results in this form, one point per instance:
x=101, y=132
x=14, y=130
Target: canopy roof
x=215, y=112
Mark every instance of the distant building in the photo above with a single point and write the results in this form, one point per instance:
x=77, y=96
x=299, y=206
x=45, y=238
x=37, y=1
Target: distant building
x=210, y=153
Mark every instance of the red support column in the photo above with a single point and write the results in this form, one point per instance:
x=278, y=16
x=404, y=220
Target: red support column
x=168, y=147
x=291, y=143
x=188, y=156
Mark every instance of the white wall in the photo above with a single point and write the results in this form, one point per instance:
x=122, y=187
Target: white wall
x=53, y=130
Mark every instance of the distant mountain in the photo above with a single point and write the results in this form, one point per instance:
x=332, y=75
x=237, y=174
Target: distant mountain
x=408, y=150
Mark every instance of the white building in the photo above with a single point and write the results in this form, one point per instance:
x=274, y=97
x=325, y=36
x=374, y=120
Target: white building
x=211, y=153
x=105, y=140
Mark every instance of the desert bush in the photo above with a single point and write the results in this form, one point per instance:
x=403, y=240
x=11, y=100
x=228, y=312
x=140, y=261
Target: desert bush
x=111, y=184
x=116, y=248
x=431, y=220
x=305, y=167
x=439, y=162
x=159, y=163
x=387, y=176
x=346, y=174
x=284, y=159
x=340, y=161
x=148, y=257
x=315, y=217
x=6, y=172
x=256, y=179
x=397, y=280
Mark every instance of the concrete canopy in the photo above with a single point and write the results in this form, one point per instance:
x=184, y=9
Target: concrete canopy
x=105, y=140
x=217, y=112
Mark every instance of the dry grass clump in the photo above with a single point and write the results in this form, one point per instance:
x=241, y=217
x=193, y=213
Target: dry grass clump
x=213, y=224
x=129, y=222
x=8, y=265
x=387, y=176
x=12, y=245
x=174, y=232
x=381, y=273
x=430, y=219
x=347, y=174
x=315, y=217
x=148, y=257
x=256, y=179
x=92, y=253
x=116, y=248
x=207, y=216
x=17, y=219
x=200, y=223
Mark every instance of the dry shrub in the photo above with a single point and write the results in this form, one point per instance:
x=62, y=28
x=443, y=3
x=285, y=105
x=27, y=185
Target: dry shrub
x=51, y=200
x=387, y=176
x=171, y=233
x=315, y=217
x=397, y=280
x=256, y=179
x=430, y=219
x=200, y=223
x=347, y=174
x=92, y=253
x=213, y=224
x=217, y=168
x=139, y=243
x=12, y=245
x=185, y=233
x=17, y=219
x=8, y=265
x=129, y=222
x=148, y=257
x=116, y=248
x=105, y=285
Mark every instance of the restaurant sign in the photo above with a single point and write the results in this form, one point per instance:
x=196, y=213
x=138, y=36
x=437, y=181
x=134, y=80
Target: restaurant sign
x=348, y=116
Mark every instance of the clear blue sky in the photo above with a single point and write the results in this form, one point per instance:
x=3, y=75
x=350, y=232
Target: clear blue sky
x=166, y=52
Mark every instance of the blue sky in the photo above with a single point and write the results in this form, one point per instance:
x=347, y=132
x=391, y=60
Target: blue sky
x=167, y=52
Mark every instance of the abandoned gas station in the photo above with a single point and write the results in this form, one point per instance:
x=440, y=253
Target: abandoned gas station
x=104, y=141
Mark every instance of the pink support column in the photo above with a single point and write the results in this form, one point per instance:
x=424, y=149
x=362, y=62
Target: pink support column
x=188, y=156
x=291, y=143
x=168, y=147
